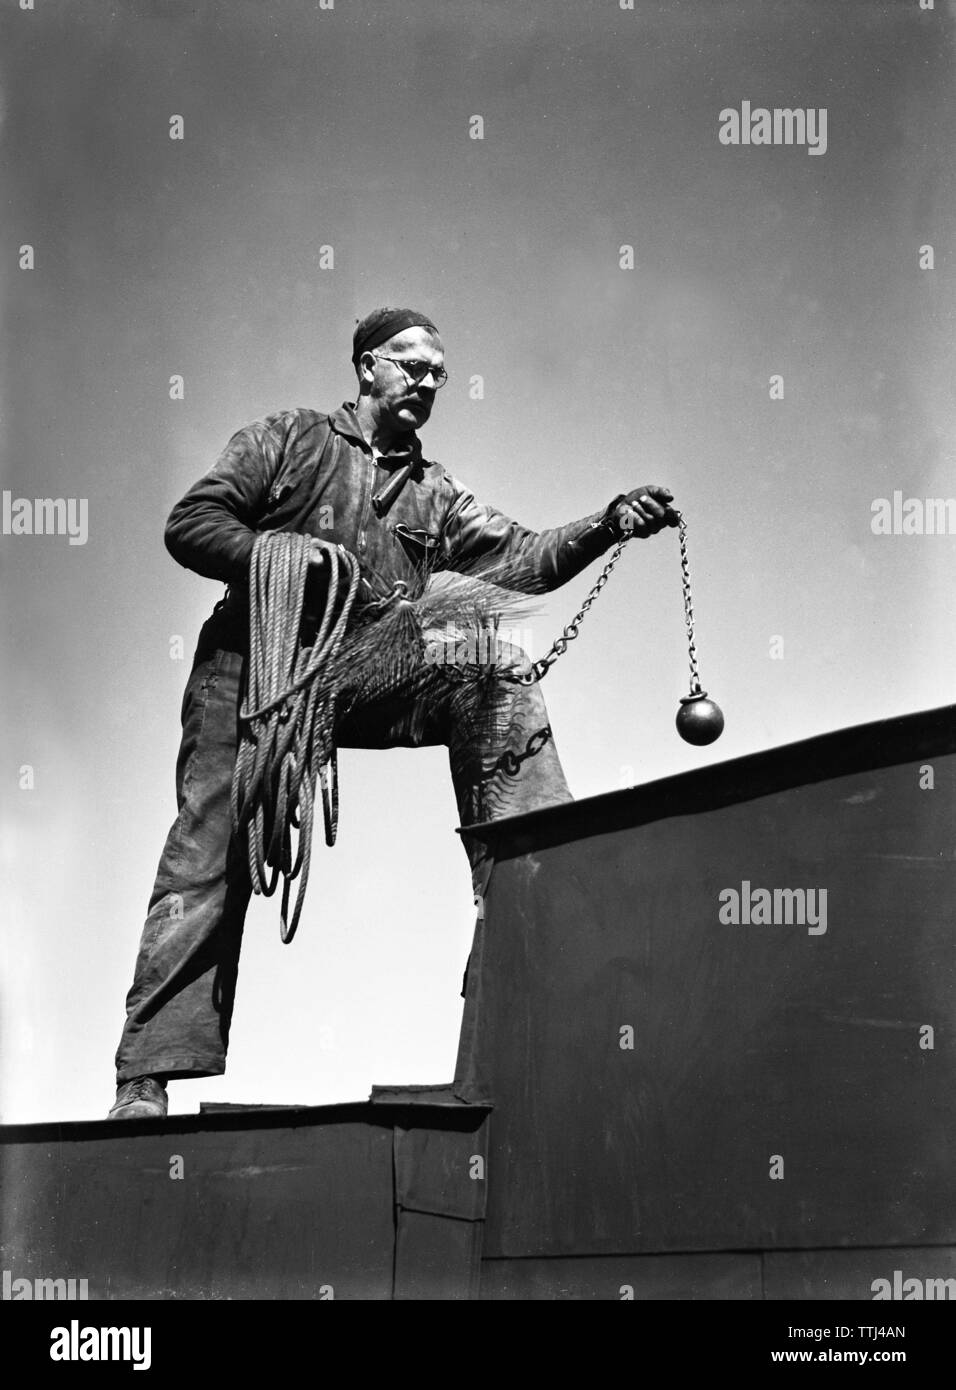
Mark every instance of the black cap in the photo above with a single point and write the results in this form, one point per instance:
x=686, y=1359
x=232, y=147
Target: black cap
x=382, y=324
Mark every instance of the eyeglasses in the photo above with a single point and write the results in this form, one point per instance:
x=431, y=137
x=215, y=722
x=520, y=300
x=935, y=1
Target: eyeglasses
x=417, y=371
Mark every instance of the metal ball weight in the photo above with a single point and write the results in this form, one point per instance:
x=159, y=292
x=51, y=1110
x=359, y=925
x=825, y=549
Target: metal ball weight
x=699, y=720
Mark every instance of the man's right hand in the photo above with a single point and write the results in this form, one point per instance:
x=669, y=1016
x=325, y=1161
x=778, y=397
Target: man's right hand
x=645, y=511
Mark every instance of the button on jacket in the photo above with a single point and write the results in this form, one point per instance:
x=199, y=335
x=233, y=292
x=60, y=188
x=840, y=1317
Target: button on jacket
x=301, y=470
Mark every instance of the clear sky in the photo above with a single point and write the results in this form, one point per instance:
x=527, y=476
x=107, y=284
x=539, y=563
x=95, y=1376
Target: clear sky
x=351, y=127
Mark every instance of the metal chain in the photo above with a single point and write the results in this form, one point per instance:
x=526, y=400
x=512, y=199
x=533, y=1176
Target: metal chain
x=510, y=762
x=695, y=686
x=539, y=669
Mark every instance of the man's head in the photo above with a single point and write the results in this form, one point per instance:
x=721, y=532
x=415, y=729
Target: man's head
x=398, y=358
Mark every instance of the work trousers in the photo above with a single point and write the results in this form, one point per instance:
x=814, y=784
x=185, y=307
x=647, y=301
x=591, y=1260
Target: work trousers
x=179, y=1007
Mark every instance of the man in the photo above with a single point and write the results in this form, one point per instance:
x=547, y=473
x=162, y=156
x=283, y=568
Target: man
x=357, y=478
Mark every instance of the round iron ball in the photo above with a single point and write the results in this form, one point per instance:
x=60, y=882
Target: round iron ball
x=699, y=720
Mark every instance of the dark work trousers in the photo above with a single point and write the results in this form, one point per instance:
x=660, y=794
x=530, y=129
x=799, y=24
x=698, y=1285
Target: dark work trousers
x=180, y=1005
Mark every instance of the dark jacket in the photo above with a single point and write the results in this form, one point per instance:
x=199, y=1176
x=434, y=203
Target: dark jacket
x=303, y=471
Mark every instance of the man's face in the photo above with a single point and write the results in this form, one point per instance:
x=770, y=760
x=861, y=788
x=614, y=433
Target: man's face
x=397, y=398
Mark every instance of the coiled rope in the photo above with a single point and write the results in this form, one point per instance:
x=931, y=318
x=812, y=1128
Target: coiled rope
x=288, y=717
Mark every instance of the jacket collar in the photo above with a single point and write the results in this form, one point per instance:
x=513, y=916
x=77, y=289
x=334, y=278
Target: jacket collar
x=343, y=421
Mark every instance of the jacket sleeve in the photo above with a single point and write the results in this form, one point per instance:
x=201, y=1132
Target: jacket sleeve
x=480, y=540
x=212, y=530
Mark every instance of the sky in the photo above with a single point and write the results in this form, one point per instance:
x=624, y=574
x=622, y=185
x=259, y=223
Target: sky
x=352, y=127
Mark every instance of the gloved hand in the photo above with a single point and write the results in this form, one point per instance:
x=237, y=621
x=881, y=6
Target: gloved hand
x=643, y=512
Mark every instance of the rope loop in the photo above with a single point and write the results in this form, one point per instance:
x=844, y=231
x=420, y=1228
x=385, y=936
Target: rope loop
x=288, y=715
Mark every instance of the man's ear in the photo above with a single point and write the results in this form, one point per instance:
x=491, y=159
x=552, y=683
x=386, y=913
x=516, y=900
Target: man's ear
x=366, y=367
x=360, y=372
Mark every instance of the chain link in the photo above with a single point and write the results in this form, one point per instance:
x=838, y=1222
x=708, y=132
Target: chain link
x=540, y=668
x=510, y=762
x=695, y=687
